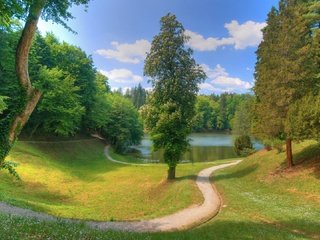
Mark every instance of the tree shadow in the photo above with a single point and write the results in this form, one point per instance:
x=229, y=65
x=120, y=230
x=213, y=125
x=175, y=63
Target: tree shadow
x=219, y=229
x=83, y=159
x=220, y=176
x=236, y=174
x=309, y=158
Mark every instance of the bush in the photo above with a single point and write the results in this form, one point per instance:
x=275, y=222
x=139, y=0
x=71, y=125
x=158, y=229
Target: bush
x=243, y=145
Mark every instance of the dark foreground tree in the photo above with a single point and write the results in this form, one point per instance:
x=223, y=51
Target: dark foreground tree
x=13, y=120
x=175, y=77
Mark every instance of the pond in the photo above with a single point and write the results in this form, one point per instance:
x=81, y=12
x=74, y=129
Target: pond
x=205, y=147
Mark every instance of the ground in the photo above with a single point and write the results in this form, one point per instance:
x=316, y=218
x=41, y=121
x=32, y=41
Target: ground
x=75, y=180
x=262, y=200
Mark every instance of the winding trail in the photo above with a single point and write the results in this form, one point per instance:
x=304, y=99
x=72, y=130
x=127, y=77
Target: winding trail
x=181, y=220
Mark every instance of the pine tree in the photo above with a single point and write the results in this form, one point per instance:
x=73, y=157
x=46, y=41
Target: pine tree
x=282, y=71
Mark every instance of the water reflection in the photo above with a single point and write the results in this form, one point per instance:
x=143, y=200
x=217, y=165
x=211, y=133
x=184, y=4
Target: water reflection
x=205, y=147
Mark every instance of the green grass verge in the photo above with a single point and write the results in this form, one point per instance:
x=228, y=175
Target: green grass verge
x=262, y=200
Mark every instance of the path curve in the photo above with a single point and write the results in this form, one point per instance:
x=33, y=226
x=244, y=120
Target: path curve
x=181, y=220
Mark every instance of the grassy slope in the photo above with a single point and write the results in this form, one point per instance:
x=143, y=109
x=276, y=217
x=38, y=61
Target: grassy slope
x=263, y=201
x=75, y=180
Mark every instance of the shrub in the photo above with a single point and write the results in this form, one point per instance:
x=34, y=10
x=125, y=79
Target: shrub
x=243, y=145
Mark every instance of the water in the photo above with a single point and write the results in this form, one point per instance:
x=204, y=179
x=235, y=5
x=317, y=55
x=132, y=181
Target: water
x=205, y=147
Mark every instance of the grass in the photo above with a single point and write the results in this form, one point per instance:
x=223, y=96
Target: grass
x=262, y=200
x=75, y=180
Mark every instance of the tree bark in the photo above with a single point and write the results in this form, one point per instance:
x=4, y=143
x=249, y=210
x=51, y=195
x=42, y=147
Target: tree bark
x=289, y=152
x=32, y=95
x=171, y=172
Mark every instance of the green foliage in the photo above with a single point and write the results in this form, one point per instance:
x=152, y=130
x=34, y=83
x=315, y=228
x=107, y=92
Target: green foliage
x=243, y=145
x=122, y=126
x=206, y=114
x=137, y=95
x=60, y=110
x=3, y=105
x=175, y=77
x=303, y=121
x=287, y=66
x=10, y=9
x=243, y=117
x=11, y=168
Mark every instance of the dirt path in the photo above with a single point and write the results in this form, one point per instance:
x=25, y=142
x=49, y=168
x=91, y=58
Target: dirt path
x=181, y=220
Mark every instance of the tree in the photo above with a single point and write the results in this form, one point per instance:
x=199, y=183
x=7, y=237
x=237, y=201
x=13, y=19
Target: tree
x=206, y=114
x=137, y=95
x=60, y=110
x=122, y=126
x=243, y=117
x=175, y=77
x=303, y=121
x=13, y=121
x=283, y=73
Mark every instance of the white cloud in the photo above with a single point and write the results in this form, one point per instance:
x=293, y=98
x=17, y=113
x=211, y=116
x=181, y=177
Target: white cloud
x=245, y=35
x=198, y=42
x=126, y=52
x=122, y=76
x=220, y=81
x=241, y=36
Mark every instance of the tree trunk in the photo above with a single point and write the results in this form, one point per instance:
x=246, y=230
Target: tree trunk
x=12, y=126
x=171, y=172
x=289, y=152
x=32, y=95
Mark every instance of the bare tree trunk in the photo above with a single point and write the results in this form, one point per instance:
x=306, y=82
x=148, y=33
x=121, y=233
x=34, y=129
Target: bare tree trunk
x=289, y=152
x=32, y=95
x=171, y=172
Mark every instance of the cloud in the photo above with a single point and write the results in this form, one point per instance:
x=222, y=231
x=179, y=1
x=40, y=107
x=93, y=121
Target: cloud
x=198, y=42
x=122, y=76
x=219, y=81
x=126, y=52
x=245, y=35
x=241, y=36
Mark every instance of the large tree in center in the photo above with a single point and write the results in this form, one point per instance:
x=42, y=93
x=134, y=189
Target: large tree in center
x=175, y=77
x=13, y=120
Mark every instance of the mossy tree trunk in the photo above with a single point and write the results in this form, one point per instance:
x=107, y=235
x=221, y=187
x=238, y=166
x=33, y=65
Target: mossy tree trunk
x=11, y=127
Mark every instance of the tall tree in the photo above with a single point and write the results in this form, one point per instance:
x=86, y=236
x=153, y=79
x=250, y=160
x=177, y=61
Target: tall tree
x=175, y=77
x=282, y=69
x=13, y=121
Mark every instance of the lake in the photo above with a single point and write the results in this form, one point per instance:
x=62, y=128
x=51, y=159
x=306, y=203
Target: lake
x=205, y=147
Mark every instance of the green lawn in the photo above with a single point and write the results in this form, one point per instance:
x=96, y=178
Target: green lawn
x=263, y=200
x=75, y=180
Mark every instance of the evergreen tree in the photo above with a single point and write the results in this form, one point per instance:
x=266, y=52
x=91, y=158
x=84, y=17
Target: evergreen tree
x=282, y=70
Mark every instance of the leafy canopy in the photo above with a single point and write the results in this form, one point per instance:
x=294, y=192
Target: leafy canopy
x=175, y=77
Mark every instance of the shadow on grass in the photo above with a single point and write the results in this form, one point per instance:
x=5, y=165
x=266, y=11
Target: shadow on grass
x=236, y=174
x=309, y=157
x=84, y=160
x=222, y=229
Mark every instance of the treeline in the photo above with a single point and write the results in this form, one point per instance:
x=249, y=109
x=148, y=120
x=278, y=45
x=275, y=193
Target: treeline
x=75, y=97
x=218, y=112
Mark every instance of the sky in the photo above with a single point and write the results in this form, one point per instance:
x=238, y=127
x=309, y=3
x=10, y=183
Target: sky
x=224, y=35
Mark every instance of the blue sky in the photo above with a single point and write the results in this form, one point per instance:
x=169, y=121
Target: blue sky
x=117, y=33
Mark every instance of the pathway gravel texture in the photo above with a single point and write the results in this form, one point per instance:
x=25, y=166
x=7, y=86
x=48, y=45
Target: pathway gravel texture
x=181, y=220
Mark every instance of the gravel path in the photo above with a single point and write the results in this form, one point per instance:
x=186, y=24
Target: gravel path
x=181, y=220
